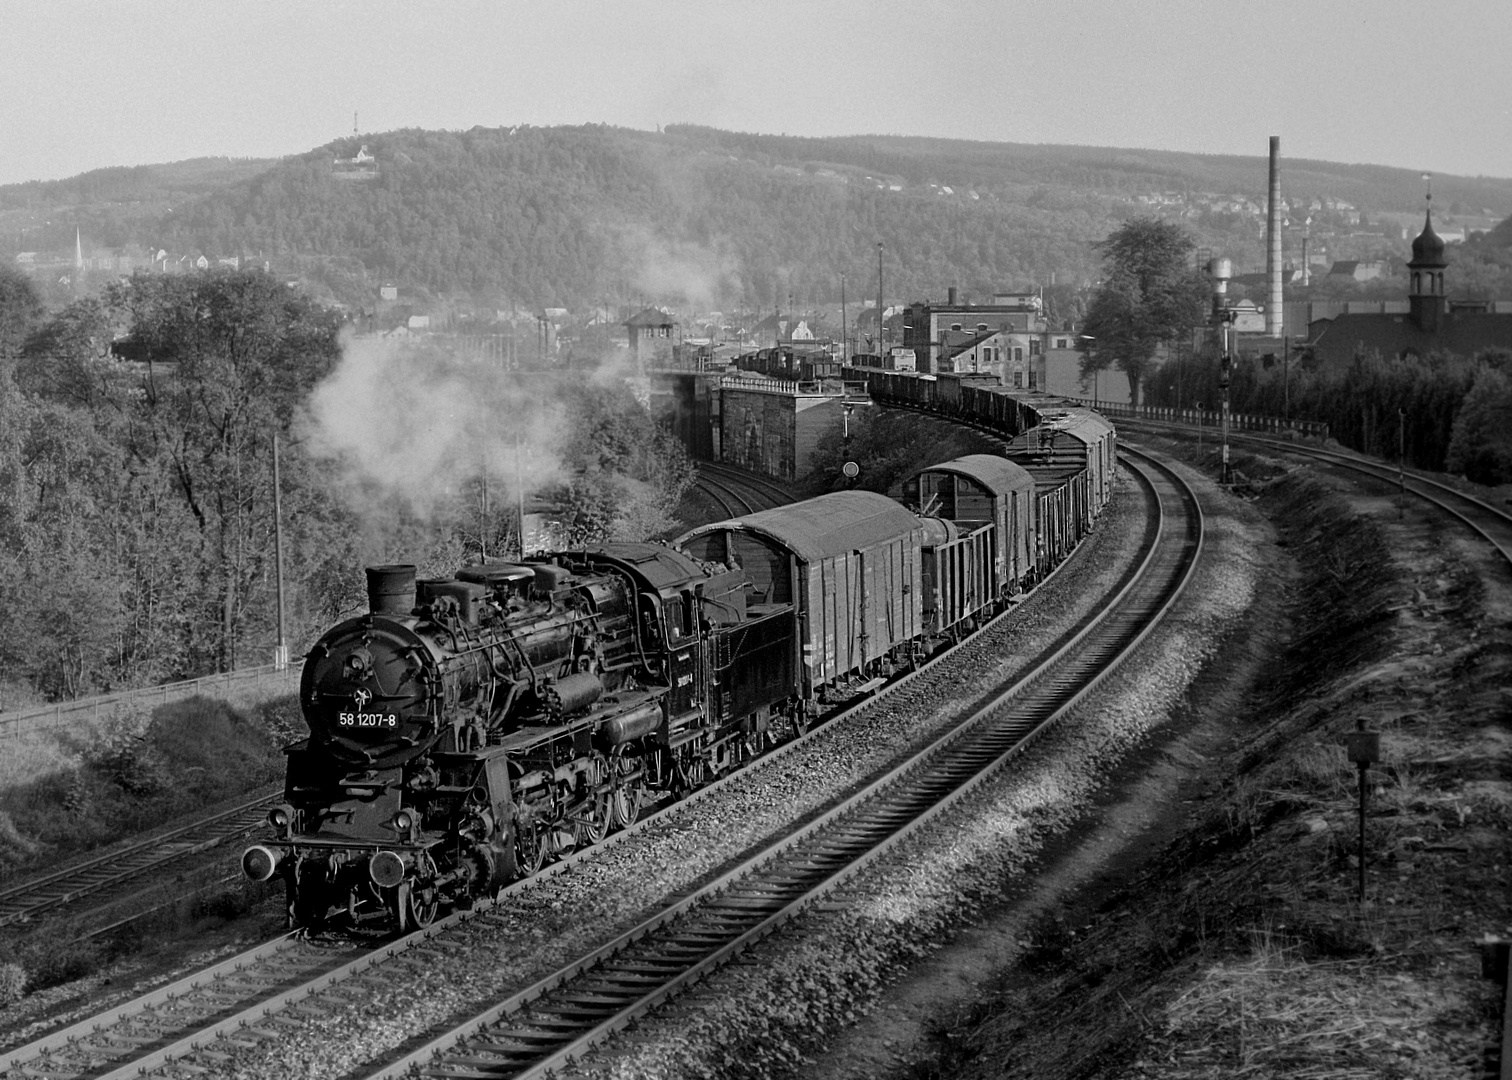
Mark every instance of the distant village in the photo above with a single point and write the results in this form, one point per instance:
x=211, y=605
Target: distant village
x=66, y=268
x=1011, y=336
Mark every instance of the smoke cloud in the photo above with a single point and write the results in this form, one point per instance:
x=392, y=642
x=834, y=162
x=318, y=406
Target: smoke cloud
x=414, y=422
x=679, y=269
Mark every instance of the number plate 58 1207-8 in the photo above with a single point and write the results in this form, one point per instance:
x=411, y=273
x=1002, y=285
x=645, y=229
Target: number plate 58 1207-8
x=367, y=720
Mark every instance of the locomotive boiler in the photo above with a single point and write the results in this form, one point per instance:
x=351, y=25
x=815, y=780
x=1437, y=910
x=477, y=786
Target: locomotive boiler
x=465, y=730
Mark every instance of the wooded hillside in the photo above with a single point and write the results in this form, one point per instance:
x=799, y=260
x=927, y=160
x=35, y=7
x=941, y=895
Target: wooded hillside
x=576, y=217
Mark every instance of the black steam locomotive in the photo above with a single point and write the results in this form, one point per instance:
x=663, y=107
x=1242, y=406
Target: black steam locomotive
x=465, y=730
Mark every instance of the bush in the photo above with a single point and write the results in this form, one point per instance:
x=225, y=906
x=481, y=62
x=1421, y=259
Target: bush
x=12, y=983
x=141, y=772
x=282, y=719
x=123, y=755
x=43, y=958
x=213, y=750
x=1481, y=446
x=888, y=445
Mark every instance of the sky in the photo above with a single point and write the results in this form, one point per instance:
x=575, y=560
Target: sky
x=84, y=85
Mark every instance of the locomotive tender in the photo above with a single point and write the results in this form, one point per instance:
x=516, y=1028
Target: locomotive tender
x=466, y=730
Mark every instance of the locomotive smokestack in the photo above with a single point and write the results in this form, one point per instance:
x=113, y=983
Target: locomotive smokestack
x=1273, y=304
x=391, y=589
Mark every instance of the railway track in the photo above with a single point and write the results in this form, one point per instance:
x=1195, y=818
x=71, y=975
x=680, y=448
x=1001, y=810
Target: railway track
x=766, y=490
x=562, y=1017
x=107, y=879
x=239, y=999
x=738, y=492
x=156, y=1028
x=1490, y=522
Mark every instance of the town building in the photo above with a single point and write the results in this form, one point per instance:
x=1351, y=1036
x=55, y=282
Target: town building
x=652, y=333
x=1431, y=323
x=1357, y=269
x=1007, y=338
x=360, y=166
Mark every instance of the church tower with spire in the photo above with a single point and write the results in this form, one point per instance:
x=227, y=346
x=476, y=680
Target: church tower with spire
x=1426, y=299
x=1433, y=324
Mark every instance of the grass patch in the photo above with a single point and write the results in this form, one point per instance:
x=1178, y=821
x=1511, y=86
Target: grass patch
x=38, y=956
x=136, y=771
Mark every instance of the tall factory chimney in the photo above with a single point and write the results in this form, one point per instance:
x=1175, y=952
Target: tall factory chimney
x=1273, y=305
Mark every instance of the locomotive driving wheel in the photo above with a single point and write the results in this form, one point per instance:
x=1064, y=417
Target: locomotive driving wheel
x=423, y=901
x=592, y=819
x=625, y=798
x=532, y=846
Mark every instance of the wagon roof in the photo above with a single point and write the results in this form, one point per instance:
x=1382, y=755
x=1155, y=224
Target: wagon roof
x=1084, y=425
x=833, y=524
x=996, y=474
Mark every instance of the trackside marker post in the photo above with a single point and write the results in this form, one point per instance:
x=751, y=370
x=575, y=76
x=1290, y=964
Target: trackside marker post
x=1364, y=749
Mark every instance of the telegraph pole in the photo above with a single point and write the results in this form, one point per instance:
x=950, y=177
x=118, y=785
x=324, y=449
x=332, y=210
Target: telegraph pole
x=519, y=494
x=843, y=335
x=1401, y=462
x=880, y=320
x=1223, y=384
x=281, y=647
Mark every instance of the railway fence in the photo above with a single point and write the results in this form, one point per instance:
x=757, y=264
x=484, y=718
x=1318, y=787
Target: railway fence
x=231, y=685
x=1274, y=425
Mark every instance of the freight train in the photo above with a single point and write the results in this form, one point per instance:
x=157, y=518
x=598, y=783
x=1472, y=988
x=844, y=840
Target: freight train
x=466, y=730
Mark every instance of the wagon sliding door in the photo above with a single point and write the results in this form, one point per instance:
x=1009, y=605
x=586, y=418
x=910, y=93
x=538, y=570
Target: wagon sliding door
x=887, y=588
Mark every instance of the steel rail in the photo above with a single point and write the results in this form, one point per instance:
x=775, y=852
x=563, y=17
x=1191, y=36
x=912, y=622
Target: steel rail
x=27, y=1056
x=122, y=864
x=1445, y=497
x=769, y=489
x=560, y=1018
x=257, y=1003
x=138, y=914
x=1488, y=521
x=731, y=502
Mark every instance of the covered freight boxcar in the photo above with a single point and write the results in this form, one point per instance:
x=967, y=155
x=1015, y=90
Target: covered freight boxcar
x=849, y=562
x=983, y=489
x=1074, y=437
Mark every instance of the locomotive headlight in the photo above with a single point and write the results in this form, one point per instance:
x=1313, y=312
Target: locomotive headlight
x=404, y=823
x=280, y=817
